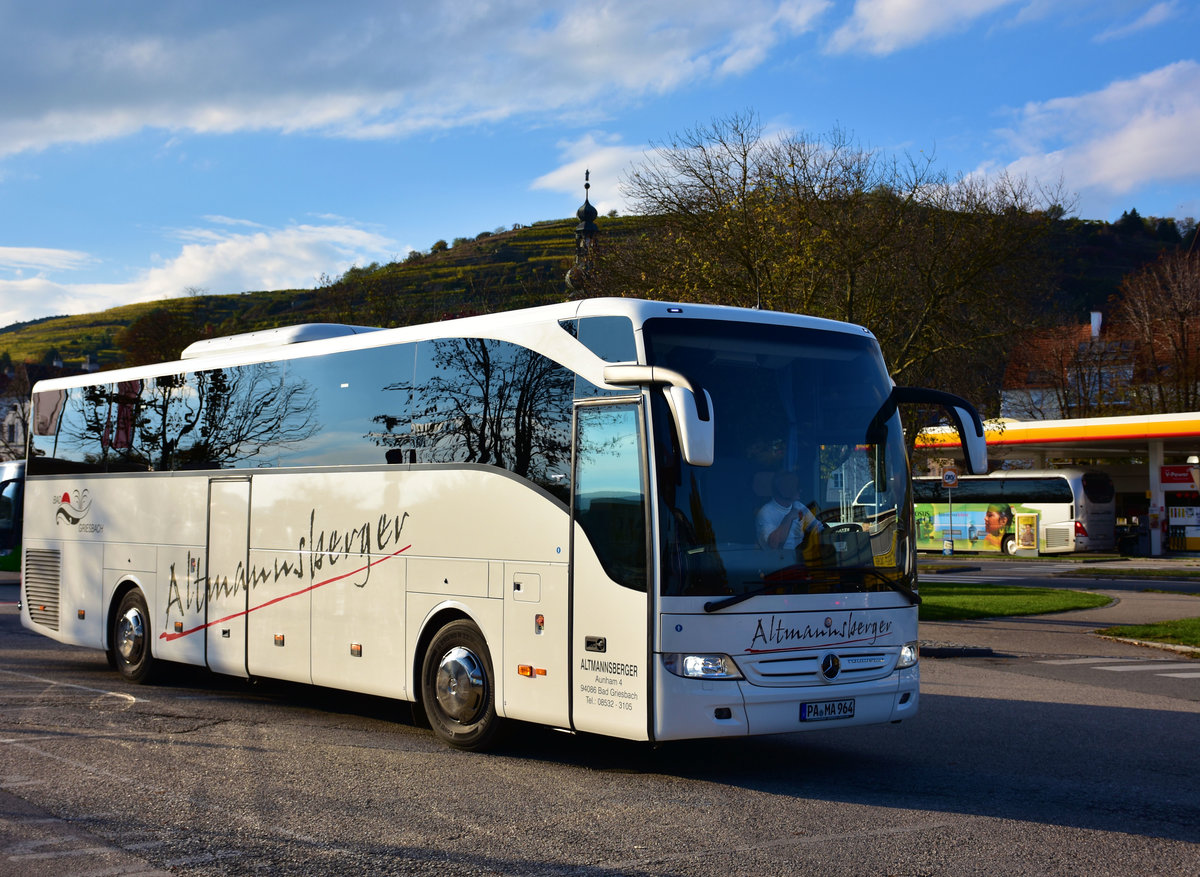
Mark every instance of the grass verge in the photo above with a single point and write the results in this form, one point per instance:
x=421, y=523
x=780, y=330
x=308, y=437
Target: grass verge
x=1181, y=632
x=1098, y=572
x=950, y=601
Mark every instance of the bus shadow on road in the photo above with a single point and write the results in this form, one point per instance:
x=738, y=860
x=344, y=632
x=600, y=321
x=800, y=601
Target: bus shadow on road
x=1087, y=767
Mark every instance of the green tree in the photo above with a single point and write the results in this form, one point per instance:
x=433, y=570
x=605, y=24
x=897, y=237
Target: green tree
x=1131, y=224
x=158, y=336
x=1167, y=231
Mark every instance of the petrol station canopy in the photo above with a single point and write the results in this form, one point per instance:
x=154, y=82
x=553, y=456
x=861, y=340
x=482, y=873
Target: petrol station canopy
x=1176, y=435
x=1152, y=441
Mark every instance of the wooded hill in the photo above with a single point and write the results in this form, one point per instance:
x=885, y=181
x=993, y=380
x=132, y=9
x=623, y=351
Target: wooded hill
x=495, y=271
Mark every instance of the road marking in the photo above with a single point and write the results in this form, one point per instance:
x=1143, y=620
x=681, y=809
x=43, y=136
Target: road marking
x=106, y=693
x=60, y=854
x=1065, y=661
x=1149, y=665
x=964, y=580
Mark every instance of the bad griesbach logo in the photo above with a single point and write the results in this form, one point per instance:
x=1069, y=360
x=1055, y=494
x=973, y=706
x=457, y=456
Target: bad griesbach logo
x=73, y=506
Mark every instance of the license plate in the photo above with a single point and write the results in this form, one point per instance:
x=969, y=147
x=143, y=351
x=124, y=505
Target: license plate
x=827, y=709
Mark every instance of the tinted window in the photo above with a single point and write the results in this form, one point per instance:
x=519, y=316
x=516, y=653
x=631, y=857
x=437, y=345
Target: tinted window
x=611, y=339
x=88, y=429
x=1098, y=487
x=364, y=400
x=1007, y=490
x=10, y=513
x=609, y=498
x=447, y=401
x=477, y=400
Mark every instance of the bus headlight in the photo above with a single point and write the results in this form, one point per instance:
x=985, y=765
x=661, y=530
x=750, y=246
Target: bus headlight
x=702, y=666
x=909, y=653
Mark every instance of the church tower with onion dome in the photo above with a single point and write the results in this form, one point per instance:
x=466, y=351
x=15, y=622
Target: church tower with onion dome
x=585, y=242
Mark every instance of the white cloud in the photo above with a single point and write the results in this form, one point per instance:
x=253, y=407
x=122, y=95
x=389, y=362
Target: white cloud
x=42, y=258
x=1133, y=133
x=219, y=262
x=881, y=27
x=386, y=70
x=1159, y=13
x=607, y=159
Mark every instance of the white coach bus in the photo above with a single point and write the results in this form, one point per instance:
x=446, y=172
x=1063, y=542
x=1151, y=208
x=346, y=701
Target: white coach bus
x=553, y=515
x=1074, y=510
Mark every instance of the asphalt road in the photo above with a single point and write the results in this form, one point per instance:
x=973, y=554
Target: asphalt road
x=1005, y=771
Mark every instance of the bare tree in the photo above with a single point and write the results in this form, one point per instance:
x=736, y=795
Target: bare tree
x=14, y=412
x=941, y=269
x=1069, y=371
x=1160, y=309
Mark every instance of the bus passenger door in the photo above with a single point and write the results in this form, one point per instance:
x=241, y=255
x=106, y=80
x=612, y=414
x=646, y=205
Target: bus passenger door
x=227, y=591
x=610, y=682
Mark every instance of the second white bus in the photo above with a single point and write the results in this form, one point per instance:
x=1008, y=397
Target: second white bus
x=1068, y=510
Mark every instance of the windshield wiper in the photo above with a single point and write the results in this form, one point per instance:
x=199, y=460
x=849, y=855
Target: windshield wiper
x=726, y=602
x=895, y=584
x=771, y=581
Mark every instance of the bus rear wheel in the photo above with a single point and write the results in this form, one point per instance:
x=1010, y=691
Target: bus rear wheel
x=1009, y=545
x=129, y=649
x=458, y=689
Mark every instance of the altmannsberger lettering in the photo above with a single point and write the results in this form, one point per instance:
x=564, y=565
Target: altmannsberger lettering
x=780, y=632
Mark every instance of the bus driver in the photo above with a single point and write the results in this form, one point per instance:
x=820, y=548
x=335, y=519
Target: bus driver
x=783, y=521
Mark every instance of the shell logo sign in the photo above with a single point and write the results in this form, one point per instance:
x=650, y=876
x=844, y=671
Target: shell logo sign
x=1184, y=477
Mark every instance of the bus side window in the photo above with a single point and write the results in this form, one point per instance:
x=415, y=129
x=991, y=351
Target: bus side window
x=477, y=400
x=610, y=502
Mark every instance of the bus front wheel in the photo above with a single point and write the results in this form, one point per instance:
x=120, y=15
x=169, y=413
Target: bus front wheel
x=1009, y=545
x=130, y=649
x=457, y=687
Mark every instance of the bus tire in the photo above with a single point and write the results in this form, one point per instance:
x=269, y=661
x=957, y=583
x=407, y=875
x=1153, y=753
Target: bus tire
x=458, y=687
x=131, y=651
x=1009, y=545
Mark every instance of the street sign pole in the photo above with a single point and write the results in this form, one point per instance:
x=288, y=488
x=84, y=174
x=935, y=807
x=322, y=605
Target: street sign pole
x=949, y=481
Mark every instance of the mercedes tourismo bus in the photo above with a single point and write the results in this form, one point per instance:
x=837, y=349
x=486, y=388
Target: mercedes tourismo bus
x=546, y=515
x=1052, y=511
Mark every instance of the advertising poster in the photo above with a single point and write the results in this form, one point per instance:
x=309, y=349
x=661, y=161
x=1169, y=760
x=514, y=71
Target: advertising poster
x=971, y=526
x=1027, y=531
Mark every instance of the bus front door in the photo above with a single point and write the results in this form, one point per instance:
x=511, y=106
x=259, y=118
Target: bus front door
x=610, y=688
x=227, y=591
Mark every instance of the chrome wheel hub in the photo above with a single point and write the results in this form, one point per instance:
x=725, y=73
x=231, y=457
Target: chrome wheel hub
x=461, y=684
x=131, y=636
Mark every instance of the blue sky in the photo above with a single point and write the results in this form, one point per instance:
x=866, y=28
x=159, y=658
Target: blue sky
x=148, y=149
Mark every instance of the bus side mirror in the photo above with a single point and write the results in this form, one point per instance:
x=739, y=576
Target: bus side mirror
x=966, y=419
x=970, y=431
x=691, y=406
x=695, y=434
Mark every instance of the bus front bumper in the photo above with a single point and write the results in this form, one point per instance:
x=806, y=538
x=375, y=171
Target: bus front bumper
x=696, y=708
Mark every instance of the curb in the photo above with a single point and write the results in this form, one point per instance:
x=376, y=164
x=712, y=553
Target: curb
x=1190, y=651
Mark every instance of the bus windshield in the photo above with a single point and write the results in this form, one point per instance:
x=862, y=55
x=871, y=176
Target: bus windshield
x=808, y=491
